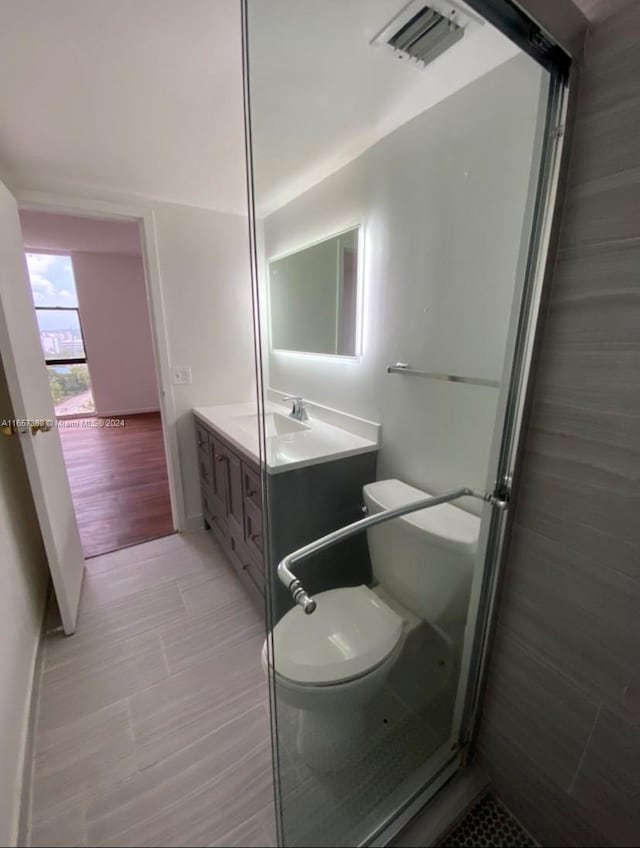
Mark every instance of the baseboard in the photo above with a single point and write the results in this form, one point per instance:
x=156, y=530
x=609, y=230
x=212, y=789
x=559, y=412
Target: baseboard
x=32, y=717
x=123, y=413
x=193, y=523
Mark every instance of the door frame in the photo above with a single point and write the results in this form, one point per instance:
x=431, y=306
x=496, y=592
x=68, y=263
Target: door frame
x=511, y=414
x=145, y=217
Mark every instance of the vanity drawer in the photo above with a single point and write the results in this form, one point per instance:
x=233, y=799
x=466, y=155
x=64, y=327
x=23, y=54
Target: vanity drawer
x=219, y=476
x=250, y=572
x=251, y=486
x=253, y=531
x=213, y=516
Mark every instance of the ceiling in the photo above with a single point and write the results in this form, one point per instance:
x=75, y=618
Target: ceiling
x=145, y=96
x=325, y=95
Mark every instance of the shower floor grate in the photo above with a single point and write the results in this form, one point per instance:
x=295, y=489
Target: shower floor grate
x=489, y=824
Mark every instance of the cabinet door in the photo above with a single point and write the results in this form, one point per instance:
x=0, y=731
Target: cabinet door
x=252, y=485
x=219, y=485
x=251, y=575
x=235, y=512
x=206, y=471
x=219, y=481
x=202, y=440
x=253, y=530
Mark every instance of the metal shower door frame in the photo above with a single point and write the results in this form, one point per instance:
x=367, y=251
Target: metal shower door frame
x=506, y=451
x=515, y=396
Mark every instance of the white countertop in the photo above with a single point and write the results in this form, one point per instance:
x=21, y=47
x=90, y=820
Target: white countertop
x=318, y=442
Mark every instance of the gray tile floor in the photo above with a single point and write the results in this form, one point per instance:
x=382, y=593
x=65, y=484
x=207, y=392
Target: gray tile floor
x=152, y=724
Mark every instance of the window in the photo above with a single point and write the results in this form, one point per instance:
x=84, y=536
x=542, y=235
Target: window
x=55, y=299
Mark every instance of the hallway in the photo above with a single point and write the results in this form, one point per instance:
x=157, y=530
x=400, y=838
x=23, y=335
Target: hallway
x=152, y=723
x=118, y=474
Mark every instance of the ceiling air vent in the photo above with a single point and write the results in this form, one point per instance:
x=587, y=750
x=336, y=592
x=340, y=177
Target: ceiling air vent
x=420, y=33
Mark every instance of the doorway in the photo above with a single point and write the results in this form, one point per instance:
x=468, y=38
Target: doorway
x=89, y=292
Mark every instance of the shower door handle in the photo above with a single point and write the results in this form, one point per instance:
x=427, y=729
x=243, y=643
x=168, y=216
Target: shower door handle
x=498, y=498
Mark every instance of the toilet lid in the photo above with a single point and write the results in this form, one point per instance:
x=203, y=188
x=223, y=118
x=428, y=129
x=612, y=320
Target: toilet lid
x=351, y=632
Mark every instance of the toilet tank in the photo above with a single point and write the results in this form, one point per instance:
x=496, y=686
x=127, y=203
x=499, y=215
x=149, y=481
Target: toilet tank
x=425, y=559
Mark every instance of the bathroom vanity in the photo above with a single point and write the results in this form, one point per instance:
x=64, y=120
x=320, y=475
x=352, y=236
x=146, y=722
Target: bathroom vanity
x=231, y=491
x=311, y=482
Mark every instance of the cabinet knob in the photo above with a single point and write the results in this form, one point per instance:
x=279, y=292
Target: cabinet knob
x=255, y=536
x=219, y=457
x=251, y=493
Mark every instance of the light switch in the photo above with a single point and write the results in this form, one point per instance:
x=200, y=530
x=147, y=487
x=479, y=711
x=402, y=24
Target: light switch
x=181, y=375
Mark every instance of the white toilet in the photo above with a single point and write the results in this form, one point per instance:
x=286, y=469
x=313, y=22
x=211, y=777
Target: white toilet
x=330, y=664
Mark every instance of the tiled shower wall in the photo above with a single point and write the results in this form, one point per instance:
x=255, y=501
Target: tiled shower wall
x=560, y=736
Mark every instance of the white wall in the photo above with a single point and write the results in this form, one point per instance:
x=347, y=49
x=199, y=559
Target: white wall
x=204, y=265
x=47, y=231
x=23, y=581
x=442, y=201
x=112, y=297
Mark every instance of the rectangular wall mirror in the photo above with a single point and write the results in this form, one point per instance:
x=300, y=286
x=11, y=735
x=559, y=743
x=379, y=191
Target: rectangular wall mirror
x=314, y=297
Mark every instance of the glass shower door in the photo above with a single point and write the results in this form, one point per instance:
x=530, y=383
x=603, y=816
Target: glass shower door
x=400, y=192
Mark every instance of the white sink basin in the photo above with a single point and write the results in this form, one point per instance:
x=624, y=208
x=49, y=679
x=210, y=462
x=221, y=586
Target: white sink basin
x=275, y=424
x=290, y=444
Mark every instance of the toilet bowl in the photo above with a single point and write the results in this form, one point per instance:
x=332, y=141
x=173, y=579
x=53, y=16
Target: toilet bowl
x=329, y=665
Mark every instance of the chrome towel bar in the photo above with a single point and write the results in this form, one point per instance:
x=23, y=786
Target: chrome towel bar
x=405, y=368
x=295, y=586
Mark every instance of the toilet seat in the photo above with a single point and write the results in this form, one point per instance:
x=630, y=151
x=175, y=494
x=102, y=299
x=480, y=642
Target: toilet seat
x=351, y=632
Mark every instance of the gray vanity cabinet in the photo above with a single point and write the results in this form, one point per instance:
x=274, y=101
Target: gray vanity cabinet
x=233, y=493
x=224, y=473
x=304, y=503
x=253, y=531
x=307, y=503
x=219, y=483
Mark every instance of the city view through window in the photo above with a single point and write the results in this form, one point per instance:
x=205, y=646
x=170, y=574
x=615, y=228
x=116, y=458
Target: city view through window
x=56, y=303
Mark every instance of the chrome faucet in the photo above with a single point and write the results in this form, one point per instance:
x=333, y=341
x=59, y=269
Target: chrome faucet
x=299, y=409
